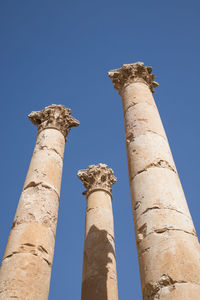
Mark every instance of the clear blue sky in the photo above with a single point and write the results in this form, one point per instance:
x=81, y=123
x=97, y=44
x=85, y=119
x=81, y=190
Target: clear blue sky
x=60, y=52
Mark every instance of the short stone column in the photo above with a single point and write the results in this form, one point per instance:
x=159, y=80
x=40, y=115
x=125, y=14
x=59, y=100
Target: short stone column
x=26, y=266
x=99, y=280
x=168, y=248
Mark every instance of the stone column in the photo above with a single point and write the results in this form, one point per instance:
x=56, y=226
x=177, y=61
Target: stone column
x=26, y=267
x=168, y=248
x=99, y=280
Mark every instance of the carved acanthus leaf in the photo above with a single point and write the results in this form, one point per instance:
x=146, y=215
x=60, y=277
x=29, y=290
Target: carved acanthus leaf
x=129, y=73
x=97, y=177
x=54, y=116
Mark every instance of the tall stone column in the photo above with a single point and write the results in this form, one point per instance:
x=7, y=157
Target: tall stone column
x=26, y=267
x=168, y=248
x=99, y=263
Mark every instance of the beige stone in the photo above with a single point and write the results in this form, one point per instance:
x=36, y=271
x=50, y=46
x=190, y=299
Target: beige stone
x=26, y=266
x=168, y=248
x=174, y=254
x=45, y=167
x=24, y=276
x=168, y=194
x=99, y=280
x=38, y=204
x=51, y=140
x=143, y=118
x=149, y=151
x=134, y=93
x=183, y=291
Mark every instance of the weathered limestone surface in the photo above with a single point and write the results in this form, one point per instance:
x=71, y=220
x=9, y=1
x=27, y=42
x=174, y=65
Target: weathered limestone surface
x=99, y=263
x=168, y=248
x=26, y=267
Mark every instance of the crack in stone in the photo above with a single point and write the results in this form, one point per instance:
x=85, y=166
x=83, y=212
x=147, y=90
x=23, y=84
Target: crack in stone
x=24, y=221
x=94, y=208
x=28, y=244
x=162, y=230
x=149, y=209
x=135, y=103
x=89, y=209
x=160, y=164
x=42, y=249
x=48, y=262
x=111, y=236
x=129, y=106
x=31, y=253
x=47, y=148
x=145, y=250
x=45, y=185
x=154, y=132
x=164, y=208
x=137, y=205
x=142, y=232
x=10, y=255
x=6, y=290
x=112, y=278
x=152, y=290
x=143, y=120
x=130, y=138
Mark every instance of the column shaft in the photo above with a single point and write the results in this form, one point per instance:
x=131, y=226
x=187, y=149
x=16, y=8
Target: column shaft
x=26, y=266
x=168, y=248
x=99, y=279
x=99, y=267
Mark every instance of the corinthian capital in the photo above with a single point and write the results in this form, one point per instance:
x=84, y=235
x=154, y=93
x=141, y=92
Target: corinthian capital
x=54, y=116
x=132, y=73
x=97, y=177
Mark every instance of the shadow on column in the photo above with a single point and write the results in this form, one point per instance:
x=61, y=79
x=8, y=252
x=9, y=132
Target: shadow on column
x=95, y=264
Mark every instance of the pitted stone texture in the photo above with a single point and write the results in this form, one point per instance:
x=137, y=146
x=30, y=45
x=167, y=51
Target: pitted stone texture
x=173, y=253
x=99, y=212
x=99, y=265
x=51, y=140
x=97, y=177
x=141, y=119
x=38, y=204
x=135, y=93
x=45, y=168
x=31, y=238
x=178, y=290
x=47, y=161
x=54, y=116
x=162, y=190
x=25, y=277
x=160, y=221
x=149, y=151
x=132, y=73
